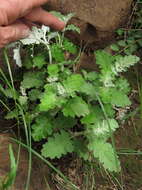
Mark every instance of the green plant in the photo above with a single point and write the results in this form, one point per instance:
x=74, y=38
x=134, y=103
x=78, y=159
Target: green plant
x=129, y=39
x=8, y=181
x=73, y=112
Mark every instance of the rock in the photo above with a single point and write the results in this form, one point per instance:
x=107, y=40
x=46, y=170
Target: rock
x=87, y=62
x=39, y=170
x=98, y=19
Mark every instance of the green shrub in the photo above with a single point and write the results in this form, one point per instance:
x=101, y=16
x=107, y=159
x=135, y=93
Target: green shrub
x=71, y=111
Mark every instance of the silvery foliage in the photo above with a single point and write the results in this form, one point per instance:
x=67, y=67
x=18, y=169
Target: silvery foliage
x=61, y=90
x=123, y=63
x=105, y=127
x=37, y=36
x=17, y=56
x=43, y=36
x=16, y=52
x=52, y=79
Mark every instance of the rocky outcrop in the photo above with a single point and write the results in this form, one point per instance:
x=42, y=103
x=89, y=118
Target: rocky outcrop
x=98, y=19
